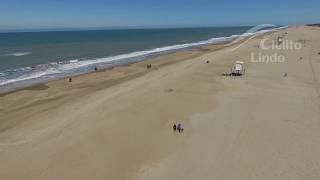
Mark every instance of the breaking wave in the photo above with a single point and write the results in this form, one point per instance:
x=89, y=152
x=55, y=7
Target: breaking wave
x=17, y=54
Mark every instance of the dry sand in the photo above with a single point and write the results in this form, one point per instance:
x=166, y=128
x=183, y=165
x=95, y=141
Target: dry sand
x=116, y=124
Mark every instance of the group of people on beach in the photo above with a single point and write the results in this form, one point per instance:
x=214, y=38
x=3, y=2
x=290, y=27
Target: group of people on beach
x=149, y=66
x=178, y=128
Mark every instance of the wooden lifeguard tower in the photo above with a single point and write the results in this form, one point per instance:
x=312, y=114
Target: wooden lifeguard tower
x=238, y=69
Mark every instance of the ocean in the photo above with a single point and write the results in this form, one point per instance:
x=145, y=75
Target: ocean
x=32, y=57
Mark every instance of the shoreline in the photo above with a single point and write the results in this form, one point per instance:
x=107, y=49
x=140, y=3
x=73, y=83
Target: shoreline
x=29, y=83
x=43, y=85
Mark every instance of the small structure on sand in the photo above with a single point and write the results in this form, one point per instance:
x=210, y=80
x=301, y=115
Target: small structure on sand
x=238, y=69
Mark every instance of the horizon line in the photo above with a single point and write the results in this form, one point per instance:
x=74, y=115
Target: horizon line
x=113, y=28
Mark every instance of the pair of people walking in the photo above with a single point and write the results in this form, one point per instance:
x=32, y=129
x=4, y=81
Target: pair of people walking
x=178, y=127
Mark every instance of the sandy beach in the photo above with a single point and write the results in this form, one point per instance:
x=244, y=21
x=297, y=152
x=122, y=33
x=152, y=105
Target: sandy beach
x=117, y=123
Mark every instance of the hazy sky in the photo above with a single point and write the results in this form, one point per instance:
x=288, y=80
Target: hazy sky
x=35, y=14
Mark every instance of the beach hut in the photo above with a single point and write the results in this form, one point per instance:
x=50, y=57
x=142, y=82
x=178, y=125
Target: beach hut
x=238, y=69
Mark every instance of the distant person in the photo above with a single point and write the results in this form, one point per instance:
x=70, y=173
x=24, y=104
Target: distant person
x=174, y=127
x=70, y=79
x=285, y=75
x=179, y=128
x=95, y=69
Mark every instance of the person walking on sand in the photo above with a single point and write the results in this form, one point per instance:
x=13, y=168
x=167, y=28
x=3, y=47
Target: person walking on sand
x=285, y=74
x=179, y=127
x=174, y=127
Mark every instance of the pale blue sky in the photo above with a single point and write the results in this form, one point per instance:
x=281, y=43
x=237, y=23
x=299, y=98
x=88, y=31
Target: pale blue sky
x=38, y=14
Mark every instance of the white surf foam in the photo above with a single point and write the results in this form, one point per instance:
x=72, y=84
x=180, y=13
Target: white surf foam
x=21, y=54
x=17, y=54
x=73, y=61
x=23, y=78
x=73, y=65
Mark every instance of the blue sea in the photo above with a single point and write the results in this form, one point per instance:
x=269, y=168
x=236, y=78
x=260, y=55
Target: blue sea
x=32, y=57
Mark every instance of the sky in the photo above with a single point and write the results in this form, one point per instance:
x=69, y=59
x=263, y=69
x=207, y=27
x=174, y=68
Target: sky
x=52, y=14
